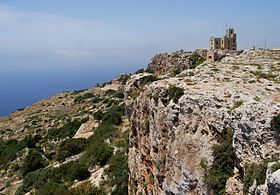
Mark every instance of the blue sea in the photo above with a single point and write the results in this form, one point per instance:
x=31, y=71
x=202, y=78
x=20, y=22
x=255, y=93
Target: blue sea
x=20, y=89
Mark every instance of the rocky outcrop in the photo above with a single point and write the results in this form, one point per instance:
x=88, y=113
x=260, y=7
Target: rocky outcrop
x=171, y=138
x=175, y=62
x=87, y=129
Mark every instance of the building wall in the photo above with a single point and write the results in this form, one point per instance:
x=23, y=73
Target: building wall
x=228, y=42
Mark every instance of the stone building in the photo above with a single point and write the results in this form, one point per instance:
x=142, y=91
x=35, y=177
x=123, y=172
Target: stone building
x=228, y=42
x=219, y=47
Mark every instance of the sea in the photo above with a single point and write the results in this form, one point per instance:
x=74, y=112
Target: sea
x=21, y=89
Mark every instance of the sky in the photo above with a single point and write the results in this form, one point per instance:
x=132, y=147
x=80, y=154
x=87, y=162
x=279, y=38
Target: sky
x=47, y=46
x=59, y=34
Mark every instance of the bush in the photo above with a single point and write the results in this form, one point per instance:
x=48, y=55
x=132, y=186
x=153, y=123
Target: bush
x=32, y=162
x=223, y=164
x=51, y=188
x=78, y=91
x=119, y=94
x=34, y=179
x=69, y=172
x=118, y=173
x=31, y=141
x=268, y=75
x=254, y=171
x=98, y=152
x=113, y=118
x=195, y=60
x=70, y=147
x=9, y=150
x=84, y=97
x=275, y=167
x=149, y=79
x=175, y=93
x=67, y=130
x=110, y=92
x=176, y=71
x=96, y=99
x=98, y=115
x=74, y=170
x=139, y=71
x=124, y=78
x=275, y=123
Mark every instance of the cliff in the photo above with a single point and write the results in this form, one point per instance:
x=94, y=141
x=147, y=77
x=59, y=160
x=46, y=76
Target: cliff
x=201, y=131
x=195, y=127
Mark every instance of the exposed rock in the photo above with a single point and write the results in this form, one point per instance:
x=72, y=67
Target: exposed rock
x=169, y=62
x=274, y=183
x=87, y=129
x=97, y=176
x=168, y=140
x=234, y=184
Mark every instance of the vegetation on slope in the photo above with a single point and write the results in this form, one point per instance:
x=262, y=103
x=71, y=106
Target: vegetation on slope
x=52, y=164
x=222, y=167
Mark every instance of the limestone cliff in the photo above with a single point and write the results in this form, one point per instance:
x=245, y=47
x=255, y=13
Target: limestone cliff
x=176, y=121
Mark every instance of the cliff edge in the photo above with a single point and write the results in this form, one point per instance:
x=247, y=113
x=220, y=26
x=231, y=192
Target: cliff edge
x=205, y=129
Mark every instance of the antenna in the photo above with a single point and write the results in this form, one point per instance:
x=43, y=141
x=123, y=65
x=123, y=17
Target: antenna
x=265, y=43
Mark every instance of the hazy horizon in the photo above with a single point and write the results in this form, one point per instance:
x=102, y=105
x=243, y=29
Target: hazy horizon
x=52, y=46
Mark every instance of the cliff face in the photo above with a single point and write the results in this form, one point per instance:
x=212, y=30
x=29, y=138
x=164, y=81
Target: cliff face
x=176, y=121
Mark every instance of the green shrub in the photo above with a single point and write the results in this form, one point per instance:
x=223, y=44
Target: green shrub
x=195, y=60
x=268, y=75
x=237, y=105
x=223, y=164
x=275, y=167
x=118, y=173
x=43, y=179
x=254, y=171
x=34, y=179
x=73, y=170
x=123, y=142
x=51, y=188
x=124, y=78
x=110, y=92
x=69, y=172
x=9, y=150
x=96, y=99
x=84, y=97
x=275, y=123
x=139, y=71
x=98, y=115
x=32, y=162
x=67, y=130
x=70, y=147
x=175, y=93
x=78, y=91
x=32, y=140
x=113, y=118
x=119, y=94
x=149, y=79
x=176, y=71
x=98, y=152
x=102, y=133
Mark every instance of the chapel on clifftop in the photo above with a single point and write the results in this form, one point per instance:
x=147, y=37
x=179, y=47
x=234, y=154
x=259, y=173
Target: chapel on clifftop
x=222, y=46
x=228, y=42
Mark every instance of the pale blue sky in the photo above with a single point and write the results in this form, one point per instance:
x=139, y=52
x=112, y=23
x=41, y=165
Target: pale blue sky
x=49, y=46
x=59, y=34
